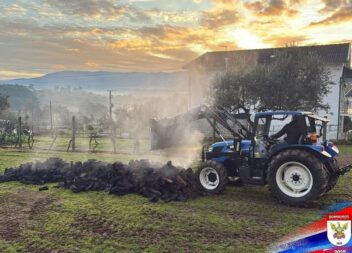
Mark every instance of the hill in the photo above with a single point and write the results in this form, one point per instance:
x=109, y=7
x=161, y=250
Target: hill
x=102, y=80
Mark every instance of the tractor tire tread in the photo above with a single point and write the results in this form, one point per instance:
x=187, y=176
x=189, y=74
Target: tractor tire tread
x=222, y=176
x=320, y=177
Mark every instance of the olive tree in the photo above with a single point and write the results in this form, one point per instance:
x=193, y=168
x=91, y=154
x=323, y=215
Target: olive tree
x=290, y=80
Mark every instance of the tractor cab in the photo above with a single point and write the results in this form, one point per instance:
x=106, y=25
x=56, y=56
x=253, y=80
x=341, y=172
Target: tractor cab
x=276, y=130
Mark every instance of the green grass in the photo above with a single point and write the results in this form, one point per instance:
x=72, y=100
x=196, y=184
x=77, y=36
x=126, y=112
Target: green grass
x=243, y=219
x=82, y=144
x=345, y=149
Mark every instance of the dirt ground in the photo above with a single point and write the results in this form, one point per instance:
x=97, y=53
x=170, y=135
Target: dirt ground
x=19, y=210
x=344, y=160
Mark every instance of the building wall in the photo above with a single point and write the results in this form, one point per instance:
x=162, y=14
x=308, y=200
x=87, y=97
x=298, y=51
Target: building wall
x=334, y=102
x=200, y=82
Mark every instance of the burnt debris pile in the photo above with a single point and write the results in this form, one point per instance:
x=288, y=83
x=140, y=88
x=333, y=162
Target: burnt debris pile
x=51, y=171
x=154, y=181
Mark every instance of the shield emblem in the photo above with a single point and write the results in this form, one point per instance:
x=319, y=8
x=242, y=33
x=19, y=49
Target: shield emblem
x=339, y=231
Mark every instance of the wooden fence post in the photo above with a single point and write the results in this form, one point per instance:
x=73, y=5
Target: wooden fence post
x=19, y=132
x=73, y=134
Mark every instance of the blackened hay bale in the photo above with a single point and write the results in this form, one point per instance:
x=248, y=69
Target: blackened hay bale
x=154, y=181
x=38, y=173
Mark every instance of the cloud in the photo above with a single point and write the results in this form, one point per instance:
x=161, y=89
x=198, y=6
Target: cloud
x=272, y=7
x=9, y=74
x=227, y=3
x=285, y=40
x=88, y=8
x=172, y=17
x=102, y=9
x=41, y=47
x=333, y=5
x=219, y=18
x=340, y=16
x=91, y=64
x=15, y=10
x=40, y=36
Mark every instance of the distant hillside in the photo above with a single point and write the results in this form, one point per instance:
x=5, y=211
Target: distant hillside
x=21, y=98
x=102, y=80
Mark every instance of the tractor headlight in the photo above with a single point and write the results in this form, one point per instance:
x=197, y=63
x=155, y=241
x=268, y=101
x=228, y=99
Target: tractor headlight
x=210, y=149
x=336, y=150
x=325, y=153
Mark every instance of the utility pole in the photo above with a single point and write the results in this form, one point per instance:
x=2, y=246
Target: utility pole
x=110, y=113
x=20, y=132
x=189, y=90
x=73, y=134
x=112, y=128
x=32, y=118
x=339, y=111
x=110, y=106
x=51, y=120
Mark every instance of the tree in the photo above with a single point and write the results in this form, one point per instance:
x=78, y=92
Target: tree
x=20, y=98
x=291, y=80
x=347, y=124
x=4, y=103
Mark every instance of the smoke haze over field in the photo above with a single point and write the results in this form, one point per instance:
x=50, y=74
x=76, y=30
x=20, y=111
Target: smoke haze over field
x=131, y=114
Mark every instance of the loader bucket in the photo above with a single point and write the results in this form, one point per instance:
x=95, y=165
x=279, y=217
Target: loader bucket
x=174, y=131
x=167, y=133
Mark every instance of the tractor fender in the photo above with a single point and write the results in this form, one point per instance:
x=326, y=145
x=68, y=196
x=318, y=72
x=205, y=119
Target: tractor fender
x=321, y=155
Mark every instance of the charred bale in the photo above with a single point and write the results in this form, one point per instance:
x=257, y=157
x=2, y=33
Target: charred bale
x=155, y=181
x=38, y=173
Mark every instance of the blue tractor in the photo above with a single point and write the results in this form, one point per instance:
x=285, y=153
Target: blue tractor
x=296, y=173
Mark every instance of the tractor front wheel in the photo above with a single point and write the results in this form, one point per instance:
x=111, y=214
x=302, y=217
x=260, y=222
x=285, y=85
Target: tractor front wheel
x=296, y=177
x=212, y=177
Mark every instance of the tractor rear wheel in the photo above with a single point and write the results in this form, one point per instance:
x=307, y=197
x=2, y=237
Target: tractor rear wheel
x=296, y=177
x=212, y=177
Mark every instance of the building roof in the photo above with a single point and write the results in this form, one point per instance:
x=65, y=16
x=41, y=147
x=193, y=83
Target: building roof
x=335, y=53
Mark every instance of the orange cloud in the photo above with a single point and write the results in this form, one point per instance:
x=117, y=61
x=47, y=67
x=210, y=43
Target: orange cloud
x=285, y=40
x=8, y=74
x=333, y=5
x=227, y=3
x=219, y=17
x=111, y=35
x=58, y=67
x=340, y=16
x=91, y=64
x=272, y=8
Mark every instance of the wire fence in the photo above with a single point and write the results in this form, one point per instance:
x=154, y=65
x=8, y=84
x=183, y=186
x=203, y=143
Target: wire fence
x=77, y=137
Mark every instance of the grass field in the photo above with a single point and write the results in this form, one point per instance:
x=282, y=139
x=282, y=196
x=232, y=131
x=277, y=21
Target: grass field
x=243, y=219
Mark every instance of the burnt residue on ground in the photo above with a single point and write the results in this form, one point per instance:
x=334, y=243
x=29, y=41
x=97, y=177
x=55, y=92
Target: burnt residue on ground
x=155, y=181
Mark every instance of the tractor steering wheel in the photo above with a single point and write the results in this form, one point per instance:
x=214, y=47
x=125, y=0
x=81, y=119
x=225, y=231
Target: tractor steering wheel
x=268, y=140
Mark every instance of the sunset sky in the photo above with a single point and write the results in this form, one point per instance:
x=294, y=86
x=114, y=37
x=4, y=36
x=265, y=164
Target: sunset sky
x=42, y=36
